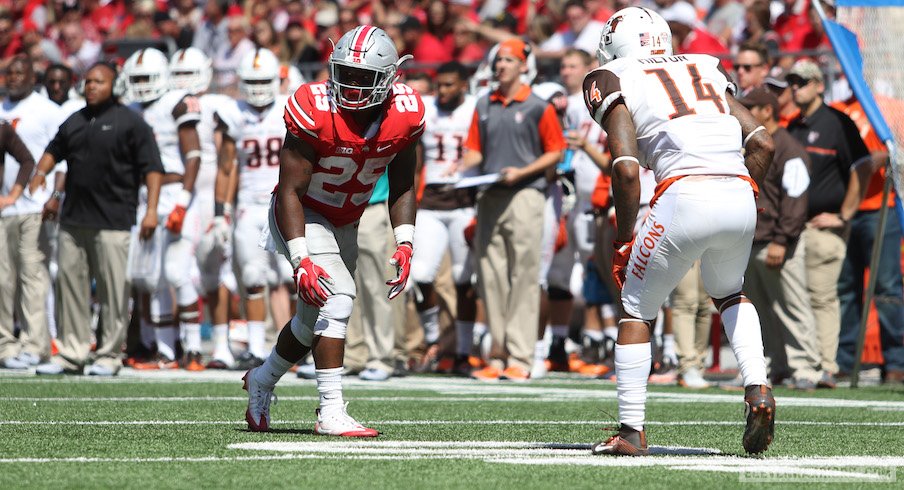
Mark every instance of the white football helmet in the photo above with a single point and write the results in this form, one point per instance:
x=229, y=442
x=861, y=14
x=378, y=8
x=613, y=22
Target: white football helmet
x=634, y=32
x=190, y=70
x=147, y=75
x=363, y=66
x=259, y=77
x=484, y=77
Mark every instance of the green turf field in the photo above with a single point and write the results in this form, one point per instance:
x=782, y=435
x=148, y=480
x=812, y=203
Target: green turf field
x=181, y=430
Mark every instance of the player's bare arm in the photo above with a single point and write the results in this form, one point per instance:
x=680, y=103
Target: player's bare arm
x=402, y=211
x=758, y=144
x=225, y=165
x=856, y=189
x=625, y=170
x=296, y=168
x=153, y=181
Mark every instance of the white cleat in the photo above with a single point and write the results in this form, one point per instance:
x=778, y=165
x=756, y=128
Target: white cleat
x=259, y=397
x=338, y=422
x=693, y=379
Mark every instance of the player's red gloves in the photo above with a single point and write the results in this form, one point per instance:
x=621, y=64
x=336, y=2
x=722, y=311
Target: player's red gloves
x=177, y=215
x=312, y=282
x=401, y=259
x=175, y=220
x=620, y=261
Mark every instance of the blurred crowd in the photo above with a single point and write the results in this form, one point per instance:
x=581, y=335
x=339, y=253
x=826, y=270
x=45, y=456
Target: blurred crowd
x=766, y=46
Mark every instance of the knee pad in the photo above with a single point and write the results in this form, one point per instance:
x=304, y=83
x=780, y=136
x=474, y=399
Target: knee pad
x=559, y=294
x=253, y=293
x=332, y=321
x=304, y=334
x=253, y=275
x=189, y=316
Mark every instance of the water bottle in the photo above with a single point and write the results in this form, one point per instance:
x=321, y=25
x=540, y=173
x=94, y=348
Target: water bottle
x=564, y=166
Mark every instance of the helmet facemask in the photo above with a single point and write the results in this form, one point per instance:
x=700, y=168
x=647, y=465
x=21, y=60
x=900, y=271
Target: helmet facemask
x=146, y=87
x=192, y=81
x=357, y=87
x=259, y=92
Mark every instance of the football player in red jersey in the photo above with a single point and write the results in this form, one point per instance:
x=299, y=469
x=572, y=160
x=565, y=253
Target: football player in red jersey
x=342, y=135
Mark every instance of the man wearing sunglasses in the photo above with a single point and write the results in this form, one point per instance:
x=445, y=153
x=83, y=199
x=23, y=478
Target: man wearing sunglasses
x=752, y=66
x=839, y=173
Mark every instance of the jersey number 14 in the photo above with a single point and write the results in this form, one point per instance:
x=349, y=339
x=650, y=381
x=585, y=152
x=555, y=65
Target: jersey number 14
x=703, y=91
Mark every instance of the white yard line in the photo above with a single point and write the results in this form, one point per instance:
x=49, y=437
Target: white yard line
x=445, y=422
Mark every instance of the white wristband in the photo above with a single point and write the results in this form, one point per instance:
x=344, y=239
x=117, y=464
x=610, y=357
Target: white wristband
x=755, y=131
x=403, y=233
x=298, y=250
x=626, y=158
x=184, y=198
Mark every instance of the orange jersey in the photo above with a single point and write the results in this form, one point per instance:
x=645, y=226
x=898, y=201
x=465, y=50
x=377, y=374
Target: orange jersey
x=350, y=158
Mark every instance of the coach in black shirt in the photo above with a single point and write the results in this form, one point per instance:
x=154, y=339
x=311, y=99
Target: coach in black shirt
x=840, y=169
x=110, y=151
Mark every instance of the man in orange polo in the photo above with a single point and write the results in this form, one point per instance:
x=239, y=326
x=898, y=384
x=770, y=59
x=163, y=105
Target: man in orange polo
x=516, y=135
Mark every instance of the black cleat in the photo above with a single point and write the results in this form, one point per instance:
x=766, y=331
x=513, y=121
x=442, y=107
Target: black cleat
x=246, y=362
x=760, y=409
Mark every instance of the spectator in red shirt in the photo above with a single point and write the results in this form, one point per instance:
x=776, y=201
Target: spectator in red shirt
x=793, y=25
x=10, y=42
x=465, y=48
x=425, y=48
x=688, y=34
x=440, y=24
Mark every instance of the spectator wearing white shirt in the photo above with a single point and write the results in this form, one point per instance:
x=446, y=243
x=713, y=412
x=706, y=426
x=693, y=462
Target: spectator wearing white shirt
x=226, y=61
x=583, y=33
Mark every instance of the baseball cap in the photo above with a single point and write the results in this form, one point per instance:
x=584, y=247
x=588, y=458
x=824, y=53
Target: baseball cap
x=776, y=78
x=514, y=47
x=804, y=70
x=759, y=97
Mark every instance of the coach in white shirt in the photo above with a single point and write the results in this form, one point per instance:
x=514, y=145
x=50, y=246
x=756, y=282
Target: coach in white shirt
x=23, y=245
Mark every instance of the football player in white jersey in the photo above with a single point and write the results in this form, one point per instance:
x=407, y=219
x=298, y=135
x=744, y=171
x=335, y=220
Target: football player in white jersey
x=174, y=116
x=190, y=70
x=677, y=116
x=253, y=129
x=445, y=211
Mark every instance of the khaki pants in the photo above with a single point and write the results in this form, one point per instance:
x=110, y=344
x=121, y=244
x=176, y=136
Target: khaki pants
x=692, y=312
x=87, y=253
x=372, y=326
x=24, y=284
x=507, y=246
x=783, y=303
x=825, y=253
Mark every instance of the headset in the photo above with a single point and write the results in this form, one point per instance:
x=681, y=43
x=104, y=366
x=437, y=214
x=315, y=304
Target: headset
x=119, y=84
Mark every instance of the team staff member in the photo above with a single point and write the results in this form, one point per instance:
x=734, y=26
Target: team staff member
x=517, y=135
x=839, y=173
x=776, y=278
x=110, y=150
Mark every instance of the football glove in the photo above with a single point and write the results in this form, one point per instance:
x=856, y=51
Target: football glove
x=620, y=262
x=401, y=259
x=312, y=282
x=177, y=215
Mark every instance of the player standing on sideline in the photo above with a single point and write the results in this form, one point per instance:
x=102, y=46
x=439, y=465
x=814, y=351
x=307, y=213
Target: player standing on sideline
x=190, y=70
x=173, y=115
x=254, y=130
x=678, y=115
x=445, y=211
x=342, y=135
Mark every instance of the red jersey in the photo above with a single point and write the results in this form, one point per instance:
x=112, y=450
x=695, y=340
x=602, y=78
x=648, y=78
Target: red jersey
x=350, y=158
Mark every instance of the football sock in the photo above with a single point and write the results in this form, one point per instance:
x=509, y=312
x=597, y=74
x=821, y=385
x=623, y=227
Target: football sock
x=256, y=339
x=464, y=333
x=329, y=385
x=742, y=327
x=430, y=321
x=221, y=342
x=594, y=335
x=166, y=341
x=611, y=332
x=191, y=337
x=559, y=331
x=51, y=313
x=148, y=334
x=272, y=369
x=632, y=368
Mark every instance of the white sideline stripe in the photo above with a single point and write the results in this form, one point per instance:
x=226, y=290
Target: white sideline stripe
x=445, y=422
x=537, y=398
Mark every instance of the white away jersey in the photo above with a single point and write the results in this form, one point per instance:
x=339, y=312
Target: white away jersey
x=444, y=137
x=679, y=110
x=36, y=120
x=207, y=173
x=585, y=171
x=258, y=138
x=164, y=116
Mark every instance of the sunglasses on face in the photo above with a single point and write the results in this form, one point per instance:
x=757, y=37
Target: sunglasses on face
x=748, y=67
x=798, y=82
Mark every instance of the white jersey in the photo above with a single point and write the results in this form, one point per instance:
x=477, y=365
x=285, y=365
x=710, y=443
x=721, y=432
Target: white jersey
x=444, y=137
x=207, y=173
x=71, y=106
x=36, y=120
x=258, y=137
x=164, y=116
x=679, y=110
x=585, y=171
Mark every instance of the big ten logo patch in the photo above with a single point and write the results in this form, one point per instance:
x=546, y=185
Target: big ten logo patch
x=645, y=248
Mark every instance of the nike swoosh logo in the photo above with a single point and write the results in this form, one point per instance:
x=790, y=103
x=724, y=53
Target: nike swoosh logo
x=381, y=148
